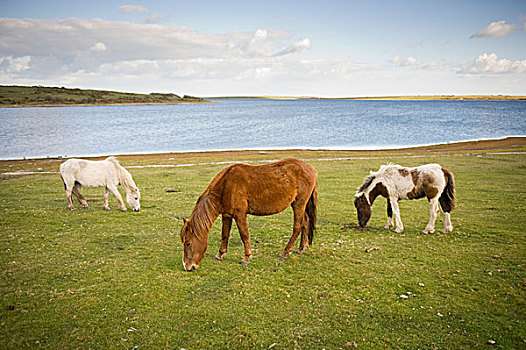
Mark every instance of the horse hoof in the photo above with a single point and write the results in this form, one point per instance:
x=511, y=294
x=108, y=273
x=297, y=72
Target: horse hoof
x=124, y=209
x=299, y=251
x=244, y=263
x=218, y=258
x=107, y=209
x=281, y=257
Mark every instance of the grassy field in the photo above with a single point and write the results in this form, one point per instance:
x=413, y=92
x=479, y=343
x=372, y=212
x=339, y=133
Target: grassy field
x=36, y=96
x=114, y=280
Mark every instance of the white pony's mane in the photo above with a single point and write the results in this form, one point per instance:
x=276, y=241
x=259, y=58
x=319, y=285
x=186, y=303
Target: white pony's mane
x=123, y=175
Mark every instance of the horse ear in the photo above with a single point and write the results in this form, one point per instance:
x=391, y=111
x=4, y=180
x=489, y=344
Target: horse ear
x=185, y=221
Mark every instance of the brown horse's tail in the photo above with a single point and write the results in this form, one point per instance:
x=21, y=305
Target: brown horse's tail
x=447, y=198
x=311, y=213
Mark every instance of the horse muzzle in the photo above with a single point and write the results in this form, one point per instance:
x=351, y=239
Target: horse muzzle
x=190, y=268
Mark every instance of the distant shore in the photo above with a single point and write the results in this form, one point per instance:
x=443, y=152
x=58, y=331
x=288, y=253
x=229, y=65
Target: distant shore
x=104, y=104
x=387, y=98
x=42, y=96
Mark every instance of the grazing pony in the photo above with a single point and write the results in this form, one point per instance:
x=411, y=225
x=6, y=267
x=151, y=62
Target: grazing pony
x=241, y=189
x=395, y=182
x=106, y=173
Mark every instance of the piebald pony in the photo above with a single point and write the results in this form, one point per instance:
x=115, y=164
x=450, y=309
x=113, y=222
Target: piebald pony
x=395, y=182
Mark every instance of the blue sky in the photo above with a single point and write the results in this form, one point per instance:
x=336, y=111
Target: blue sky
x=292, y=48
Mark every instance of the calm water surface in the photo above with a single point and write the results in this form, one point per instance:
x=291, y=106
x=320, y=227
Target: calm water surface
x=252, y=124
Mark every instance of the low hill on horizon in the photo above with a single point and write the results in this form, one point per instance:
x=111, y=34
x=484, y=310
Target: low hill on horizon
x=387, y=98
x=42, y=96
x=45, y=96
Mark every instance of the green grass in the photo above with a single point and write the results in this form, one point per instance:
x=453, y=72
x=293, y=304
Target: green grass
x=114, y=280
x=54, y=96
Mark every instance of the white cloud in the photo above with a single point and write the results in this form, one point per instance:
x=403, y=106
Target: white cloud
x=65, y=39
x=133, y=8
x=14, y=65
x=489, y=63
x=98, y=47
x=405, y=61
x=155, y=18
x=74, y=49
x=296, y=47
x=495, y=30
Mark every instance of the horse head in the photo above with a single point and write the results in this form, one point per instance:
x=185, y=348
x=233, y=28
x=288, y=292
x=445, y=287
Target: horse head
x=132, y=197
x=194, y=246
x=363, y=208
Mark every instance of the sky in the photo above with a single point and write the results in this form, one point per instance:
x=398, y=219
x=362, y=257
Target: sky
x=275, y=48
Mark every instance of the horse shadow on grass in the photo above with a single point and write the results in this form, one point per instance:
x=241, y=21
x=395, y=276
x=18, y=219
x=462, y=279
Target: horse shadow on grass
x=353, y=227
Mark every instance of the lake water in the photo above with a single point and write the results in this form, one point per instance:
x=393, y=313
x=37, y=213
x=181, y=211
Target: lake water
x=252, y=124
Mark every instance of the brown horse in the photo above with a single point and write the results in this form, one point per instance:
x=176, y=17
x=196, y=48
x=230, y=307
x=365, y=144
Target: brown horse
x=242, y=189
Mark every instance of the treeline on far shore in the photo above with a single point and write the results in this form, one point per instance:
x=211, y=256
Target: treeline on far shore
x=27, y=96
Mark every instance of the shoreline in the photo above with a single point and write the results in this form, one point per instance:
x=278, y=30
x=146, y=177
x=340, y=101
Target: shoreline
x=463, y=98
x=106, y=104
x=382, y=98
x=515, y=143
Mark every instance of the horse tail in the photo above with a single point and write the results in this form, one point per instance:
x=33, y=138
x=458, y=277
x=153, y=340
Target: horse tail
x=61, y=171
x=447, y=198
x=64, y=182
x=311, y=212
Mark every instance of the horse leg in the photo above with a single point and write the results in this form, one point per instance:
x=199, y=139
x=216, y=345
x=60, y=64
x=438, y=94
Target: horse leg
x=396, y=212
x=106, y=199
x=80, y=197
x=242, y=226
x=433, y=213
x=68, y=196
x=116, y=193
x=448, y=226
x=225, y=233
x=296, y=229
x=304, y=240
x=390, y=222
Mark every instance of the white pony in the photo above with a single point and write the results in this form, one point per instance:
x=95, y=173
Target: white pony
x=106, y=173
x=395, y=182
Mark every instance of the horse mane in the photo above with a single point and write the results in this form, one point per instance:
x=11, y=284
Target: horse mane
x=368, y=180
x=207, y=208
x=123, y=175
x=204, y=214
